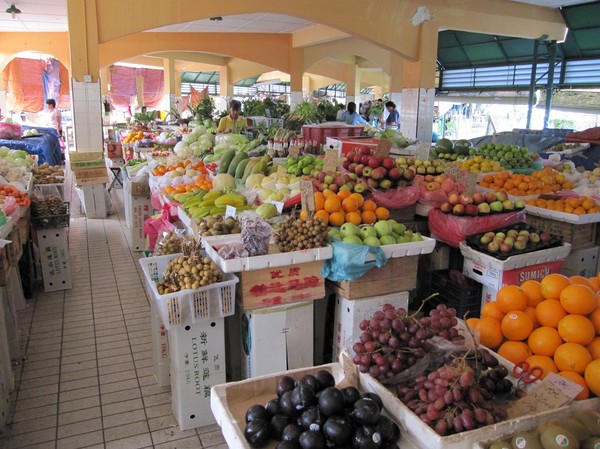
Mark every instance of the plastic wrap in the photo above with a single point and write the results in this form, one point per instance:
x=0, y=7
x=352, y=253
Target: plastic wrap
x=171, y=242
x=436, y=193
x=396, y=198
x=453, y=229
x=8, y=204
x=233, y=251
x=349, y=261
x=155, y=225
x=10, y=131
x=256, y=234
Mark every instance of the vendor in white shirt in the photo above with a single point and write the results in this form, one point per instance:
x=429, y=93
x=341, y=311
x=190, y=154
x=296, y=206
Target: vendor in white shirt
x=55, y=116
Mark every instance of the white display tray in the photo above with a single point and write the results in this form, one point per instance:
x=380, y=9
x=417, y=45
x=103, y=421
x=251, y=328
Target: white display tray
x=406, y=249
x=581, y=148
x=260, y=262
x=518, y=260
x=562, y=216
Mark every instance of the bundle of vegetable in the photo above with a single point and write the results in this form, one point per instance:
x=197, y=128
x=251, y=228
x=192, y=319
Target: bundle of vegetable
x=395, y=136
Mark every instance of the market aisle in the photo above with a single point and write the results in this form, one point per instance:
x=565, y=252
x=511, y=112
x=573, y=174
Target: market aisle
x=87, y=378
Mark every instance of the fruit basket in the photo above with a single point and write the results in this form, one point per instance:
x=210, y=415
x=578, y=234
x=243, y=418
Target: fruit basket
x=52, y=221
x=188, y=307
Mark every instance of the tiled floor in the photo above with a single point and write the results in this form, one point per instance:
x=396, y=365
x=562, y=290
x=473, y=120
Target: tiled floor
x=87, y=378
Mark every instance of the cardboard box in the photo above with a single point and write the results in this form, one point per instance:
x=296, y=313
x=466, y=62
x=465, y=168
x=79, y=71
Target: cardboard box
x=4, y=264
x=114, y=150
x=93, y=198
x=347, y=145
x=13, y=333
x=397, y=275
x=197, y=364
x=276, y=339
x=280, y=285
x=24, y=229
x=15, y=247
x=578, y=235
x=140, y=211
x=582, y=262
x=53, y=246
x=160, y=348
x=349, y=313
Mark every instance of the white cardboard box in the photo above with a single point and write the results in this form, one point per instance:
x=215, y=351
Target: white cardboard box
x=349, y=314
x=582, y=262
x=160, y=348
x=140, y=210
x=93, y=200
x=197, y=364
x=53, y=245
x=277, y=339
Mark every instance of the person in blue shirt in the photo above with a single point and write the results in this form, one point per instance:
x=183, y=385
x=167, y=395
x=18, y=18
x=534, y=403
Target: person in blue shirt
x=353, y=117
x=393, y=119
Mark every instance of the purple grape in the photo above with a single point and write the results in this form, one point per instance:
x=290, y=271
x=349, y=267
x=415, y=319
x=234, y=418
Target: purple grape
x=394, y=343
x=363, y=368
x=441, y=427
x=358, y=348
x=364, y=325
x=379, y=315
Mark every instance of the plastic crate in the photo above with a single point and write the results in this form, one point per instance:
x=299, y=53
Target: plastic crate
x=52, y=221
x=188, y=307
x=454, y=295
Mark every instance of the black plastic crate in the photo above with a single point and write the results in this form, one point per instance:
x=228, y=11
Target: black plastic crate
x=464, y=296
x=52, y=221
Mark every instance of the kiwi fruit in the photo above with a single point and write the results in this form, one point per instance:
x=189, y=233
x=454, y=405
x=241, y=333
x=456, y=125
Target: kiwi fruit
x=591, y=443
x=575, y=427
x=557, y=437
x=591, y=421
x=526, y=440
x=500, y=444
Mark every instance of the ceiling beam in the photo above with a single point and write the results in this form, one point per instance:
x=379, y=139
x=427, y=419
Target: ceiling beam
x=316, y=34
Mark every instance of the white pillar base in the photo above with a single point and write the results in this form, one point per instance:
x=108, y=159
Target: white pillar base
x=416, y=113
x=87, y=110
x=295, y=99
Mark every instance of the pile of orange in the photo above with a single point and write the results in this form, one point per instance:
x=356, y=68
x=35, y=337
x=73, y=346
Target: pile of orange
x=553, y=324
x=346, y=207
x=202, y=183
x=579, y=206
x=547, y=180
x=161, y=170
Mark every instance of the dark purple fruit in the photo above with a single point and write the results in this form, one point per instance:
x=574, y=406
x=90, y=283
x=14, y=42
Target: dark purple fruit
x=287, y=445
x=286, y=406
x=374, y=397
x=257, y=412
x=285, y=383
x=258, y=433
x=303, y=397
x=312, y=440
x=311, y=381
x=272, y=406
x=278, y=423
x=366, y=412
x=292, y=433
x=338, y=430
x=325, y=379
x=351, y=395
x=389, y=430
x=312, y=419
x=331, y=401
x=366, y=437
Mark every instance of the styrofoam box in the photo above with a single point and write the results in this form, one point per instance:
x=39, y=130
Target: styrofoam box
x=160, y=348
x=582, y=262
x=425, y=246
x=197, y=364
x=184, y=217
x=276, y=339
x=562, y=216
x=518, y=260
x=211, y=245
x=349, y=314
x=93, y=200
x=54, y=255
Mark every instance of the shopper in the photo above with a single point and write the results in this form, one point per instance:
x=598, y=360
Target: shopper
x=232, y=122
x=55, y=116
x=341, y=113
x=353, y=117
x=393, y=118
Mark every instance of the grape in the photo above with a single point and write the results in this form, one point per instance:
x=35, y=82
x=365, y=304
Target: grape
x=358, y=348
x=374, y=324
x=374, y=371
x=441, y=427
x=480, y=415
x=468, y=421
x=357, y=359
x=397, y=325
x=365, y=337
x=365, y=360
x=397, y=366
x=384, y=339
x=379, y=315
x=394, y=343
x=363, y=368
x=371, y=346
x=433, y=415
x=364, y=325
x=466, y=379
x=386, y=324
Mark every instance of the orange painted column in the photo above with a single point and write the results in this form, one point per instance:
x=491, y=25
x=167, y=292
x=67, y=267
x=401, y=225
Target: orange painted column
x=296, y=76
x=172, y=83
x=225, y=88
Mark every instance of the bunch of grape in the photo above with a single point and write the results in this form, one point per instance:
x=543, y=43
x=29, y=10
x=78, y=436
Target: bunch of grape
x=455, y=397
x=392, y=340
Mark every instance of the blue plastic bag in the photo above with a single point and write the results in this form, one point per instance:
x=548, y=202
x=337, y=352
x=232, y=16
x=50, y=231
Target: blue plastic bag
x=349, y=261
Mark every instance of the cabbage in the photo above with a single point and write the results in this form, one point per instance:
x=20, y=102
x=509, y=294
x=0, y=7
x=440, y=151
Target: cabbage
x=207, y=136
x=198, y=130
x=205, y=145
x=4, y=151
x=18, y=154
x=189, y=138
x=180, y=146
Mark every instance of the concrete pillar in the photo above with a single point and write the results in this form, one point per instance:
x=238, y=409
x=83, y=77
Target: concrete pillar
x=297, y=79
x=353, y=84
x=226, y=89
x=172, y=83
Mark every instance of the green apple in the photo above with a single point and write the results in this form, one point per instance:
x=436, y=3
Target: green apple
x=371, y=241
x=349, y=229
x=335, y=234
x=367, y=231
x=353, y=239
x=387, y=240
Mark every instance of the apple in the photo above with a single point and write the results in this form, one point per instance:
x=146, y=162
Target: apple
x=340, y=181
x=504, y=248
x=409, y=174
x=430, y=169
x=421, y=170
x=402, y=183
x=490, y=197
x=401, y=161
x=352, y=176
x=322, y=176
x=329, y=179
x=364, y=151
x=446, y=207
x=395, y=173
x=483, y=208
x=350, y=157
x=496, y=206
x=501, y=196
x=364, y=159
x=493, y=247
x=367, y=171
x=453, y=198
x=374, y=162
x=351, y=167
x=471, y=210
x=519, y=204
x=385, y=184
x=508, y=205
x=534, y=237
x=359, y=169
x=388, y=163
x=346, y=164
x=428, y=178
x=378, y=173
x=465, y=199
x=372, y=183
x=524, y=232
x=520, y=245
x=545, y=237
x=360, y=187
x=485, y=239
x=458, y=209
x=431, y=186
x=478, y=198
x=501, y=235
x=512, y=233
x=509, y=241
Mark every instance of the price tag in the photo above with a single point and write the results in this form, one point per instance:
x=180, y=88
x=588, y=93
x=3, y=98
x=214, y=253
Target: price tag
x=452, y=170
x=350, y=370
x=294, y=151
x=422, y=152
x=331, y=162
x=278, y=205
x=281, y=170
x=471, y=183
x=230, y=211
x=307, y=196
x=383, y=148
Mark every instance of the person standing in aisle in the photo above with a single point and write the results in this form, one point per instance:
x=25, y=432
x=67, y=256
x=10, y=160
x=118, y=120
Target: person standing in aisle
x=393, y=118
x=353, y=117
x=341, y=113
x=232, y=122
x=55, y=116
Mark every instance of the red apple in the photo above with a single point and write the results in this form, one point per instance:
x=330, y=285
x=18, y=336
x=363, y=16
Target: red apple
x=431, y=186
x=453, y=198
x=478, y=198
x=374, y=162
x=465, y=199
x=346, y=164
x=388, y=163
x=446, y=208
x=364, y=151
x=458, y=209
x=471, y=209
x=364, y=159
x=395, y=173
x=350, y=157
x=359, y=169
x=490, y=197
x=372, y=183
x=429, y=178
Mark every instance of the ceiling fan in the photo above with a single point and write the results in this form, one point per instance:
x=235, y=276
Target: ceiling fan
x=13, y=10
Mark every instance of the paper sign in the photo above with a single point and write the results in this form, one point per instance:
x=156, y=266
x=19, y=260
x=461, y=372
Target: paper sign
x=278, y=205
x=548, y=395
x=331, y=161
x=383, y=148
x=230, y=211
x=350, y=371
x=307, y=196
x=282, y=170
x=422, y=152
x=452, y=170
x=471, y=183
x=294, y=151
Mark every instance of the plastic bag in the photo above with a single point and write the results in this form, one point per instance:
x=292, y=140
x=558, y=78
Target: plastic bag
x=233, y=251
x=10, y=131
x=256, y=234
x=349, y=261
x=434, y=193
x=170, y=242
x=396, y=198
x=453, y=229
x=155, y=225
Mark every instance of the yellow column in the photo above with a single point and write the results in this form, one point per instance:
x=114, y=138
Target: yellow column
x=225, y=87
x=172, y=83
x=297, y=82
x=353, y=84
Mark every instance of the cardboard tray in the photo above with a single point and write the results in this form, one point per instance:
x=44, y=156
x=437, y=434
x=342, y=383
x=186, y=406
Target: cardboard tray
x=578, y=149
x=271, y=260
x=562, y=216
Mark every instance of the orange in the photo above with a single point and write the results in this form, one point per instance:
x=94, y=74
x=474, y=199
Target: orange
x=473, y=323
x=580, y=280
x=544, y=362
x=490, y=332
x=511, y=297
x=533, y=290
x=594, y=348
x=322, y=215
x=549, y=312
x=553, y=284
x=491, y=309
x=572, y=357
x=514, y=351
x=595, y=284
x=329, y=193
x=578, y=379
x=579, y=299
x=382, y=213
x=595, y=319
x=337, y=219
x=304, y=214
x=368, y=217
x=353, y=217
x=344, y=193
x=517, y=325
x=544, y=341
x=350, y=205
x=592, y=377
x=333, y=204
x=359, y=199
x=319, y=200
x=576, y=329
x=369, y=205
x=531, y=312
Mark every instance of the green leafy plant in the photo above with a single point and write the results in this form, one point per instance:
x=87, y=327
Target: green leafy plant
x=144, y=117
x=327, y=110
x=203, y=110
